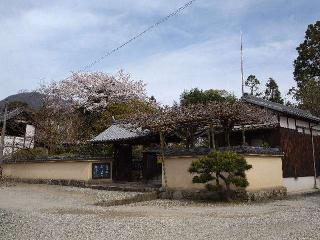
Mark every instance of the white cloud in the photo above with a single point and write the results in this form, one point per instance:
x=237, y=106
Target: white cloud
x=213, y=64
x=198, y=48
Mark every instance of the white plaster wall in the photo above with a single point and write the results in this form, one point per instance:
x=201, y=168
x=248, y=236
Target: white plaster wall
x=316, y=130
x=300, y=130
x=266, y=172
x=283, y=122
x=301, y=123
x=13, y=143
x=30, y=131
x=16, y=143
x=300, y=184
x=292, y=123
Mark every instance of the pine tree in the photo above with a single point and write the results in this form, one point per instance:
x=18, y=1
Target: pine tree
x=307, y=71
x=308, y=96
x=272, y=92
x=307, y=64
x=253, y=83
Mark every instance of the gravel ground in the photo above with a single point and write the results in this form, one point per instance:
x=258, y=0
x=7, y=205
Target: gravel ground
x=54, y=212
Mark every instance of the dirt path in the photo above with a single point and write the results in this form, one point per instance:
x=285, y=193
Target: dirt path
x=55, y=212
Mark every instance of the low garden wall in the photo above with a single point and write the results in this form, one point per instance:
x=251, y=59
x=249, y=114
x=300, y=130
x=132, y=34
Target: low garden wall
x=266, y=172
x=265, y=178
x=80, y=170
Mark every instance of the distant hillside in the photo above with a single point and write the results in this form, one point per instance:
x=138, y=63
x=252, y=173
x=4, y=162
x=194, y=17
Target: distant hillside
x=33, y=99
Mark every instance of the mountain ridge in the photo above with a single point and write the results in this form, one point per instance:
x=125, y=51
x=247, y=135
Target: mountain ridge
x=33, y=99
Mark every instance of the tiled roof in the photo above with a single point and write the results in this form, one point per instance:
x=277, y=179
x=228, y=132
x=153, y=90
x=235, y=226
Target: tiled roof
x=268, y=125
x=118, y=132
x=280, y=107
x=204, y=151
x=55, y=158
x=11, y=114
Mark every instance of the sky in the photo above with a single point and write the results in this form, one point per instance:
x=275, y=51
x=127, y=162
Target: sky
x=44, y=41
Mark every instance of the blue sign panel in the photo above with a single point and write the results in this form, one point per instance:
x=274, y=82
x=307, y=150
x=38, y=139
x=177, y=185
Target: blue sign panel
x=101, y=170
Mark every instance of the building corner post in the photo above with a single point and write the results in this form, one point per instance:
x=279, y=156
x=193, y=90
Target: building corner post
x=314, y=160
x=2, y=140
x=3, y=132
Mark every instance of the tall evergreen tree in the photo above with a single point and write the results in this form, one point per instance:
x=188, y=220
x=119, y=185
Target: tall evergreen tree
x=307, y=64
x=307, y=71
x=272, y=92
x=253, y=84
x=308, y=96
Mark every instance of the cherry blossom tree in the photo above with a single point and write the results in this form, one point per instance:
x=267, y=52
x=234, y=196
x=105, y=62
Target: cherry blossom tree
x=82, y=101
x=95, y=91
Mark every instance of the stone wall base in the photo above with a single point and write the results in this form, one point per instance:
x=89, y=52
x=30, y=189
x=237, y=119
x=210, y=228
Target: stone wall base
x=176, y=194
x=238, y=195
x=268, y=193
x=105, y=184
x=61, y=182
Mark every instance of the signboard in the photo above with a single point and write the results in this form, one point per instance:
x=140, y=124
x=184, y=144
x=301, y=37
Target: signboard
x=101, y=170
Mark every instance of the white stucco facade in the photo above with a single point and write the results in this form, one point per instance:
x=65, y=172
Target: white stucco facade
x=299, y=125
x=14, y=143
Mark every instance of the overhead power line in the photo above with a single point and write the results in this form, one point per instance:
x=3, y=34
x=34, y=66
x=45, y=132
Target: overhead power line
x=176, y=12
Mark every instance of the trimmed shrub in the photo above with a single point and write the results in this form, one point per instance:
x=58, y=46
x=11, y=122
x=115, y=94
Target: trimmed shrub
x=30, y=153
x=227, y=166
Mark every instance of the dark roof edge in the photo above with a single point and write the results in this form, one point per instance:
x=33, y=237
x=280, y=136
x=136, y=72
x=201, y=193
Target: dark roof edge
x=291, y=111
x=43, y=159
x=238, y=149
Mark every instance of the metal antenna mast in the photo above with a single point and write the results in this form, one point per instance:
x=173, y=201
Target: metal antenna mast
x=242, y=80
